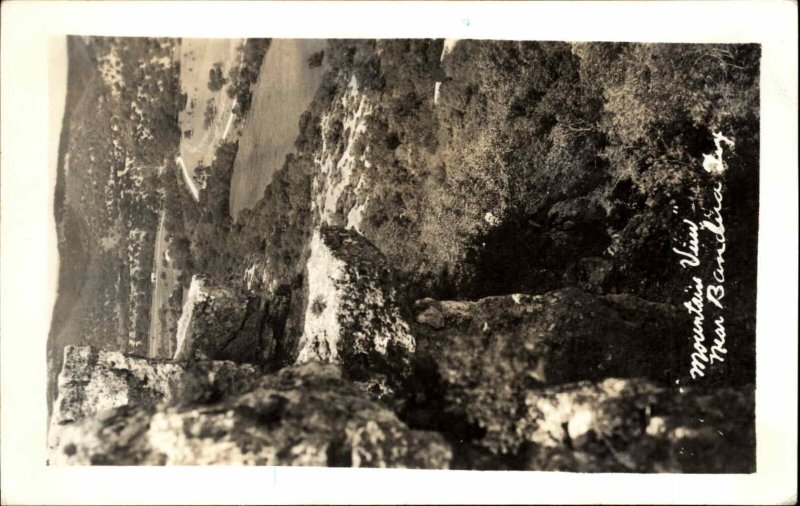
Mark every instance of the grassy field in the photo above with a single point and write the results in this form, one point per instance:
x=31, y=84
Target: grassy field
x=198, y=56
x=286, y=85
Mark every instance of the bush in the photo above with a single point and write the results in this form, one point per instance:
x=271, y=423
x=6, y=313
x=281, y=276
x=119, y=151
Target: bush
x=216, y=79
x=315, y=60
x=210, y=113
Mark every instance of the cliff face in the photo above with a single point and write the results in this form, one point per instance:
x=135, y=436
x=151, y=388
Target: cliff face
x=219, y=323
x=572, y=381
x=353, y=315
x=487, y=354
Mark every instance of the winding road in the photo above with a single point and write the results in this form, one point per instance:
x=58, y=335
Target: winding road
x=190, y=184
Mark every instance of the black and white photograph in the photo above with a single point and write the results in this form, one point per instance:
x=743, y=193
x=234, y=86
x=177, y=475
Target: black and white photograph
x=406, y=253
x=428, y=253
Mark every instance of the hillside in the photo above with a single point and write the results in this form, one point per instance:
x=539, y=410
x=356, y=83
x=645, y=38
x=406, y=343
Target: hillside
x=119, y=130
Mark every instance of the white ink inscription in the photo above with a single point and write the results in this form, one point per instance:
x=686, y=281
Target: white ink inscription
x=707, y=296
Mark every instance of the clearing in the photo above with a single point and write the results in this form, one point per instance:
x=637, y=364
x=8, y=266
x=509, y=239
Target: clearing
x=198, y=56
x=286, y=85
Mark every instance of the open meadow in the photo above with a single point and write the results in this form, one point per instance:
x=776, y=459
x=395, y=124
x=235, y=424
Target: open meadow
x=199, y=136
x=285, y=87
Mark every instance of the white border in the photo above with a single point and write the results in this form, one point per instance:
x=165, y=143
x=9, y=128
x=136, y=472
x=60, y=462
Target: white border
x=27, y=219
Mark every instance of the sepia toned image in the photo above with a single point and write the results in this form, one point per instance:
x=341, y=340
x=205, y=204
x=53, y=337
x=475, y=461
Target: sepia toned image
x=407, y=253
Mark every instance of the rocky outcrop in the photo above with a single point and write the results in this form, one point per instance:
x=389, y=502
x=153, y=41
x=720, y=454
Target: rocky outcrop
x=303, y=415
x=563, y=381
x=536, y=381
x=634, y=425
x=353, y=316
x=487, y=354
x=219, y=323
x=94, y=381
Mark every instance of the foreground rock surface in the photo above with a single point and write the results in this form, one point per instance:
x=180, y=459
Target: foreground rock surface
x=304, y=415
x=633, y=425
x=94, y=381
x=353, y=315
x=483, y=356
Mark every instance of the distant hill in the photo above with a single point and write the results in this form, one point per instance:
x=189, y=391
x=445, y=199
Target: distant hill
x=119, y=131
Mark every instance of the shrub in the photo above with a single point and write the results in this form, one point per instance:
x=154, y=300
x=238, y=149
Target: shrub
x=216, y=78
x=315, y=60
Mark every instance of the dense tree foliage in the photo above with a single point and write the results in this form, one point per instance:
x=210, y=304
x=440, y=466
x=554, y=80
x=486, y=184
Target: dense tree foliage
x=521, y=129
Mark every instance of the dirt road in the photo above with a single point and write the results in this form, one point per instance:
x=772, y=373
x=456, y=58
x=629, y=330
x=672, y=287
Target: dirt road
x=160, y=343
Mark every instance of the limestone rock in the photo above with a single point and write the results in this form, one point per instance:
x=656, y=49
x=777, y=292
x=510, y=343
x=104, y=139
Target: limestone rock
x=94, y=381
x=303, y=415
x=218, y=323
x=431, y=315
x=353, y=316
x=491, y=351
x=634, y=425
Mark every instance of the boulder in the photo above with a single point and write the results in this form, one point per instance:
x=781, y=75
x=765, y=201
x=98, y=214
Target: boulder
x=303, y=415
x=220, y=323
x=353, y=316
x=431, y=315
x=634, y=425
x=94, y=381
x=490, y=352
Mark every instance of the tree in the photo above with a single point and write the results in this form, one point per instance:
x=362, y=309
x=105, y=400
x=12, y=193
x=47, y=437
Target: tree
x=210, y=113
x=315, y=60
x=216, y=78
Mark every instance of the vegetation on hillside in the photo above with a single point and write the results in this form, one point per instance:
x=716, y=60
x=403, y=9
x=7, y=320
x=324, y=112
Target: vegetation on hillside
x=540, y=165
x=538, y=159
x=243, y=77
x=120, y=129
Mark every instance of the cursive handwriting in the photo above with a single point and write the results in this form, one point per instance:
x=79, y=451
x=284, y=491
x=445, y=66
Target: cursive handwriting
x=690, y=257
x=707, y=297
x=715, y=293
